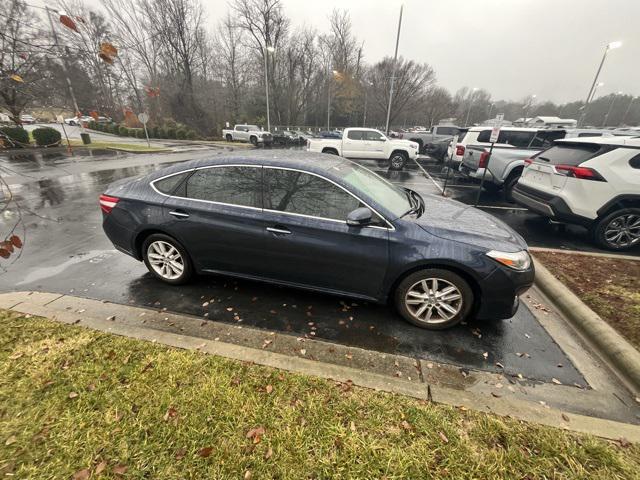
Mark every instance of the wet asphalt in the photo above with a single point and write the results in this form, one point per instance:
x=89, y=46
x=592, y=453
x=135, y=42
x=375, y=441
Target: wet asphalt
x=66, y=251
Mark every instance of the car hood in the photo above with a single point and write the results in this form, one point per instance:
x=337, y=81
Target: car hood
x=403, y=143
x=453, y=220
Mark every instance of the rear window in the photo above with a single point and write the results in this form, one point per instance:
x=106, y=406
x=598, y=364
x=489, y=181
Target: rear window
x=513, y=138
x=568, y=154
x=447, y=130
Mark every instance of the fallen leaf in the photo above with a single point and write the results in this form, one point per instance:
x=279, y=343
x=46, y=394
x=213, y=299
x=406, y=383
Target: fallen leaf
x=255, y=434
x=624, y=443
x=443, y=437
x=16, y=355
x=556, y=381
x=171, y=413
x=180, y=453
x=497, y=395
x=83, y=474
x=111, y=318
x=499, y=365
x=247, y=475
x=269, y=454
x=485, y=355
x=205, y=452
x=352, y=427
x=269, y=388
x=406, y=425
x=565, y=417
x=10, y=440
x=348, y=356
x=267, y=343
x=73, y=394
x=205, y=304
x=120, y=469
x=303, y=351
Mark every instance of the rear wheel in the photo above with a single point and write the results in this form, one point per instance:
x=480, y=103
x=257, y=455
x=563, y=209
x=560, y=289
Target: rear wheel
x=434, y=299
x=491, y=187
x=397, y=160
x=510, y=183
x=620, y=230
x=229, y=137
x=166, y=259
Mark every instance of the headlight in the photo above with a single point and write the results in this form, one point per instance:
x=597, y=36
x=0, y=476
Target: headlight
x=518, y=261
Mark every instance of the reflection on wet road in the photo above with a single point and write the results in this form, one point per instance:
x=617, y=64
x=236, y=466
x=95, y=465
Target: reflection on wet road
x=67, y=252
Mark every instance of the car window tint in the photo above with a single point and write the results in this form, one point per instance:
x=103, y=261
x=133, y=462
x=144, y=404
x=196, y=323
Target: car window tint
x=517, y=139
x=301, y=193
x=568, y=154
x=589, y=134
x=233, y=185
x=355, y=135
x=168, y=185
x=545, y=139
x=374, y=136
x=447, y=131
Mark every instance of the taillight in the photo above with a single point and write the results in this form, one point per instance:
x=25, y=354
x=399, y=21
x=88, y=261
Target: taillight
x=484, y=159
x=107, y=203
x=583, y=173
x=459, y=150
x=528, y=162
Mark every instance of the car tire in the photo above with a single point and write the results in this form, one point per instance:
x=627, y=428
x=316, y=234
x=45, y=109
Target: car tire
x=229, y=137
x=443, y=309
x=157, y=250
x=619, y=230
x=509, y=185
x=491, y=187
x=253, y=140
x=397, y=161
x=330, y=151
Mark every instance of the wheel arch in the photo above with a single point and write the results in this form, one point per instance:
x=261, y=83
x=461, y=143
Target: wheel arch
x=330, y=150
x=399, y=150
x=142, y=236
x=619, y=202
x=466, y=274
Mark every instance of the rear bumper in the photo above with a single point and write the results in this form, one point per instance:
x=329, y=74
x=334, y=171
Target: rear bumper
x=476, y=174
x=547, y=205
x=501, y=292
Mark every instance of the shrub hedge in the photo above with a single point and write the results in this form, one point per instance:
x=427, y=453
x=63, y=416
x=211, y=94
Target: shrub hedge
x=16, y=134
x=47, y=136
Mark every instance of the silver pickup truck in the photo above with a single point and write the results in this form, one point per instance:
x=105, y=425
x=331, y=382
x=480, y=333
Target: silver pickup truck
x=507, y=161
x=435, y=141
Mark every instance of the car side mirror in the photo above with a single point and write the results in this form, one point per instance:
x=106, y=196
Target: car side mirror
x=359, y=217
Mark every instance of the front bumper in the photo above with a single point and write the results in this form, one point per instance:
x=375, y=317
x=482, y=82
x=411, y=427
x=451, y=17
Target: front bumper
x=547, y=205
x=501, y=290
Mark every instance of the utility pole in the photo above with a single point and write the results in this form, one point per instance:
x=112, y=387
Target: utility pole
x=624, y=117
x=267, y=49
x=393, y=74
x=592, y=92
x=64, y=67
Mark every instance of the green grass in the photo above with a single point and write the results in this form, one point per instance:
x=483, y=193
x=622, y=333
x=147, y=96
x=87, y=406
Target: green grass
x=125, y=147
x=165, y=413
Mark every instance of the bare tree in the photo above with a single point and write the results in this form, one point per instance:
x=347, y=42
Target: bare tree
x=437, y=105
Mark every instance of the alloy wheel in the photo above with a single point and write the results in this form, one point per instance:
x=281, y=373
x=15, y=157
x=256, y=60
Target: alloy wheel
x=165, y=259
x=433, y=300
x=397, y=161
x=623, y=231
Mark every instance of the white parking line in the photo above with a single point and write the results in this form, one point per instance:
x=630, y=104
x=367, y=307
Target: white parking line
x=429, y=176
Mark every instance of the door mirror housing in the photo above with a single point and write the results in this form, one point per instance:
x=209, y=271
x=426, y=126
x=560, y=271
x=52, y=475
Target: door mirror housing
x=359, y=217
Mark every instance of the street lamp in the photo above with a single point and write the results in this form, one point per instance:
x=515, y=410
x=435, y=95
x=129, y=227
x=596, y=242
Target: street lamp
x=474, y=90
x=613, y=100
x=527, y=106
x=610, y=46
x=268, y=49
x=334, y=73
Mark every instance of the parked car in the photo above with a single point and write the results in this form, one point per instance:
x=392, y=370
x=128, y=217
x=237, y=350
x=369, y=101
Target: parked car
x=74, y=121
x=287, y=137
x=593, y=182
x=505, y=165
x=367, y=143
x=27, y=119
x=324, y=223
x=247, y=133
x=434, y=142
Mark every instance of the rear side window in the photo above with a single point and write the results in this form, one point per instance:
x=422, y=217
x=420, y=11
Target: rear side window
x=545, y=139
x=305, y=194
x=355, y=135
x=232, y=185
x=568, y=154
x=168, y=185
x=515, y=139
x=447, y=131
x=589, y=134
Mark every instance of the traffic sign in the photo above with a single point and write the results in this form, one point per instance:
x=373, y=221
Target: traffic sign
x=143, y=117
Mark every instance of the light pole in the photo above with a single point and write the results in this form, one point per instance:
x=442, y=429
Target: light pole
x=329, y=78
x=364, y=110
x=624, y=117
x=267, y=49
x=474, y=90
x=613, y=100
x=585, y=107
x=610, y=46
x=490, y=110
x=393, y=73
x=527, y=106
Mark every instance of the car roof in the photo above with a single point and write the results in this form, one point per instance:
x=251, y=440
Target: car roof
x=307, y=161
x=512, y=129
x=621, y=141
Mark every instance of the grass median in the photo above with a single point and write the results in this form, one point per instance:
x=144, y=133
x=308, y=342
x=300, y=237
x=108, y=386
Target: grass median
x=609, y=286
x=80, y=404
x=122, y=146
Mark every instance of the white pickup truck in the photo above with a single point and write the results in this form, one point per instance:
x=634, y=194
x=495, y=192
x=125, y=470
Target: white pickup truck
x=367, y=143
x=247, y=133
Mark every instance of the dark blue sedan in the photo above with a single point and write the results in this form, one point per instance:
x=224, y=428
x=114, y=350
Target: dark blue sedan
x=324, y=223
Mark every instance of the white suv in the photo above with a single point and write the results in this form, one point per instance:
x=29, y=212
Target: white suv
x=592, y=182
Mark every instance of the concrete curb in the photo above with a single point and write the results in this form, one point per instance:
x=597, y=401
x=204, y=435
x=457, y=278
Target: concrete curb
x=586, y=254
x=619, y=354
x=66, y=309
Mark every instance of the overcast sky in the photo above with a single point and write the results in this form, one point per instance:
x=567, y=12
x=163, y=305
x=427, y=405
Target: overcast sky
x=512, y=48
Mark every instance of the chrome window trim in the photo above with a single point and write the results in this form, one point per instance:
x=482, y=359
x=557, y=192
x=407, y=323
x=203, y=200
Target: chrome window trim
x=152, y=184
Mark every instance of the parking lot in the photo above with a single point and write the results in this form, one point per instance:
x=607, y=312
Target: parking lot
x=67, y=252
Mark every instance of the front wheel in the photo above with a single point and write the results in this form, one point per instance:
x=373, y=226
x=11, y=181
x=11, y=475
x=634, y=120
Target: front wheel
x=167, y=259
x=620, y=230
x=254, y=141
x=397, y=160
x=434, y=299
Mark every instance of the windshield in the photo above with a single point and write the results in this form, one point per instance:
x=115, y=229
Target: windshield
x=391, y=197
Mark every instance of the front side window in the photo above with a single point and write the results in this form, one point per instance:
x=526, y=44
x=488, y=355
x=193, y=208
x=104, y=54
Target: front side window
x=374, y=136
x=304, y=194
x=233, y=185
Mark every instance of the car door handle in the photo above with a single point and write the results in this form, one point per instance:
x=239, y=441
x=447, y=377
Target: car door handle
x=179, y=214
x=282, y=231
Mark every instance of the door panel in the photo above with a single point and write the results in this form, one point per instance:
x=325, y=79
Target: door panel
x=353, y=144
